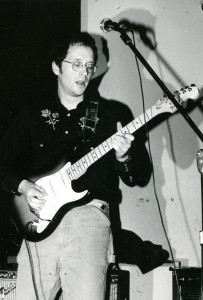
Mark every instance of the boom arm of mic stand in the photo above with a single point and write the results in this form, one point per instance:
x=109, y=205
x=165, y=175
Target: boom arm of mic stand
x=126, y=39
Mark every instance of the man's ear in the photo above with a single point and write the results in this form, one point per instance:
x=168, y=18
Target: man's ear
x=55, y=68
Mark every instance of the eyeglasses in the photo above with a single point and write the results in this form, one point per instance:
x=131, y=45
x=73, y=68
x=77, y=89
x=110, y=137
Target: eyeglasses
x=78, y=66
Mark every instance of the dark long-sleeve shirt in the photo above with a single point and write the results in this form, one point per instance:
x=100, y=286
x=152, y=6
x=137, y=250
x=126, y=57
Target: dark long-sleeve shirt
x=43, y=137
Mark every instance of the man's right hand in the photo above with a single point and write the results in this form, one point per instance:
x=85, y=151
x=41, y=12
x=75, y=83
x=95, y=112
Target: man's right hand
x=33, y=193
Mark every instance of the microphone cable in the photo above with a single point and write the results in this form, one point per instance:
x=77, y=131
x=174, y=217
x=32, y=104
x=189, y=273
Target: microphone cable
x=153, y=174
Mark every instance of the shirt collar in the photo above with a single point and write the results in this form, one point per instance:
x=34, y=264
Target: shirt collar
x=81, y=108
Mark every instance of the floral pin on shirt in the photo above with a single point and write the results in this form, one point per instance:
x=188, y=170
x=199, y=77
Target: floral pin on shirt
x=52, y=117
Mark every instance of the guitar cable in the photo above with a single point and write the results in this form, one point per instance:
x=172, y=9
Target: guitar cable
x=32, y=269
x=153, y=174
x=31, y=261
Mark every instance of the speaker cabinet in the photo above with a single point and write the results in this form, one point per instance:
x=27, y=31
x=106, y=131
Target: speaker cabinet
x=118, y=284
x=189, y=280
x=8, y=284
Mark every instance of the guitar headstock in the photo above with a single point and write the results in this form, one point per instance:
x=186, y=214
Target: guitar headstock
x=165, y=104
x=189, y=92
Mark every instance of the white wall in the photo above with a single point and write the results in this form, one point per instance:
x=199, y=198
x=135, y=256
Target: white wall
x=178, y=60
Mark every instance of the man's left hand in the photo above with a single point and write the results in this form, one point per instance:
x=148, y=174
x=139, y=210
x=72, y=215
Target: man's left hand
x=121, y=142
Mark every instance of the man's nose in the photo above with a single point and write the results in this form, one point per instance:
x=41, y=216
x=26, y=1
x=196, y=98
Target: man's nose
x=84, y=70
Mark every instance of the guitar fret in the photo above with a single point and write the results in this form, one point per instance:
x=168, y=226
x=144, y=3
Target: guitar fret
x=84, y=161
x=94, y=155
x=108, y=141
x=73, y=167
x=144, y=118
x=141, y=118
x=87, y=160
x=105, y=146
x=152, y=111
x=71, y=170
x=149, y=113
x=98, y=153
x=137, y=123
x=78, y=167
x=74, y=170
x=90, y=157
x=70, y=175
x=82, y=165
x=101, y=149
x=131, y=127
x=147, y=118
x=125, y=130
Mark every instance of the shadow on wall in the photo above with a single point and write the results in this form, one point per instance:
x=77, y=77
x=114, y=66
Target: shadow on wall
x=167, y=133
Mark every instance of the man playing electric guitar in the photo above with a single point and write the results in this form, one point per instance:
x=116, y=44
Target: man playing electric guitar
x=46, y=162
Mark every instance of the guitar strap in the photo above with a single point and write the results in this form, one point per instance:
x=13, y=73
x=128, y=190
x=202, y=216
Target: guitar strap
x=90, y=121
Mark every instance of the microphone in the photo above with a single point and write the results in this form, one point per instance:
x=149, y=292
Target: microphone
x=107, y=25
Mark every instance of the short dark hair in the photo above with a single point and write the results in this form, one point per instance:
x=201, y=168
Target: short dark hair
x=81, y=39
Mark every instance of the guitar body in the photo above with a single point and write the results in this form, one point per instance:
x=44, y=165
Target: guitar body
x=36, y=226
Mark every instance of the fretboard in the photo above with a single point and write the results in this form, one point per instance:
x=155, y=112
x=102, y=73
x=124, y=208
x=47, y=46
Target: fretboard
x=78, y=168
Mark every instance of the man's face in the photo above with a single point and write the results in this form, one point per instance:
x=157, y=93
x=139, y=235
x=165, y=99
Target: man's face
x=71, y=82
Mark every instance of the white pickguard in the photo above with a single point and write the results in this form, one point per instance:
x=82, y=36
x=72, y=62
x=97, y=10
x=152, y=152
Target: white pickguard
x=59, y=192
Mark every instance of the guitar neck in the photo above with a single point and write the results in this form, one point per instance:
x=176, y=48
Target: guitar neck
x=78, y=168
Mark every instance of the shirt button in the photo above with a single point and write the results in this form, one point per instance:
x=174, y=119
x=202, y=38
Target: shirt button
x=66, y=132
x=41, y=145
x=68, y=115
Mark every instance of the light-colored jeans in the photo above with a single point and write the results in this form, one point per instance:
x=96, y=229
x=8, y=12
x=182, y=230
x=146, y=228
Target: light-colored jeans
x=74, y=257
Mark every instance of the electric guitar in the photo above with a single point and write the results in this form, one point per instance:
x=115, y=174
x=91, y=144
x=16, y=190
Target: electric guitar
x=60, y=196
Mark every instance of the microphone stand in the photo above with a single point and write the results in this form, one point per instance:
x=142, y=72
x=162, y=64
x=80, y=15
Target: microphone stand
x=126, y=39
x=200, y=168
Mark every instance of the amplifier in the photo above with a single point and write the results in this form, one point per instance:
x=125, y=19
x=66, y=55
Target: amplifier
x=189, y=280
x=8, y=284
x=118, y=284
